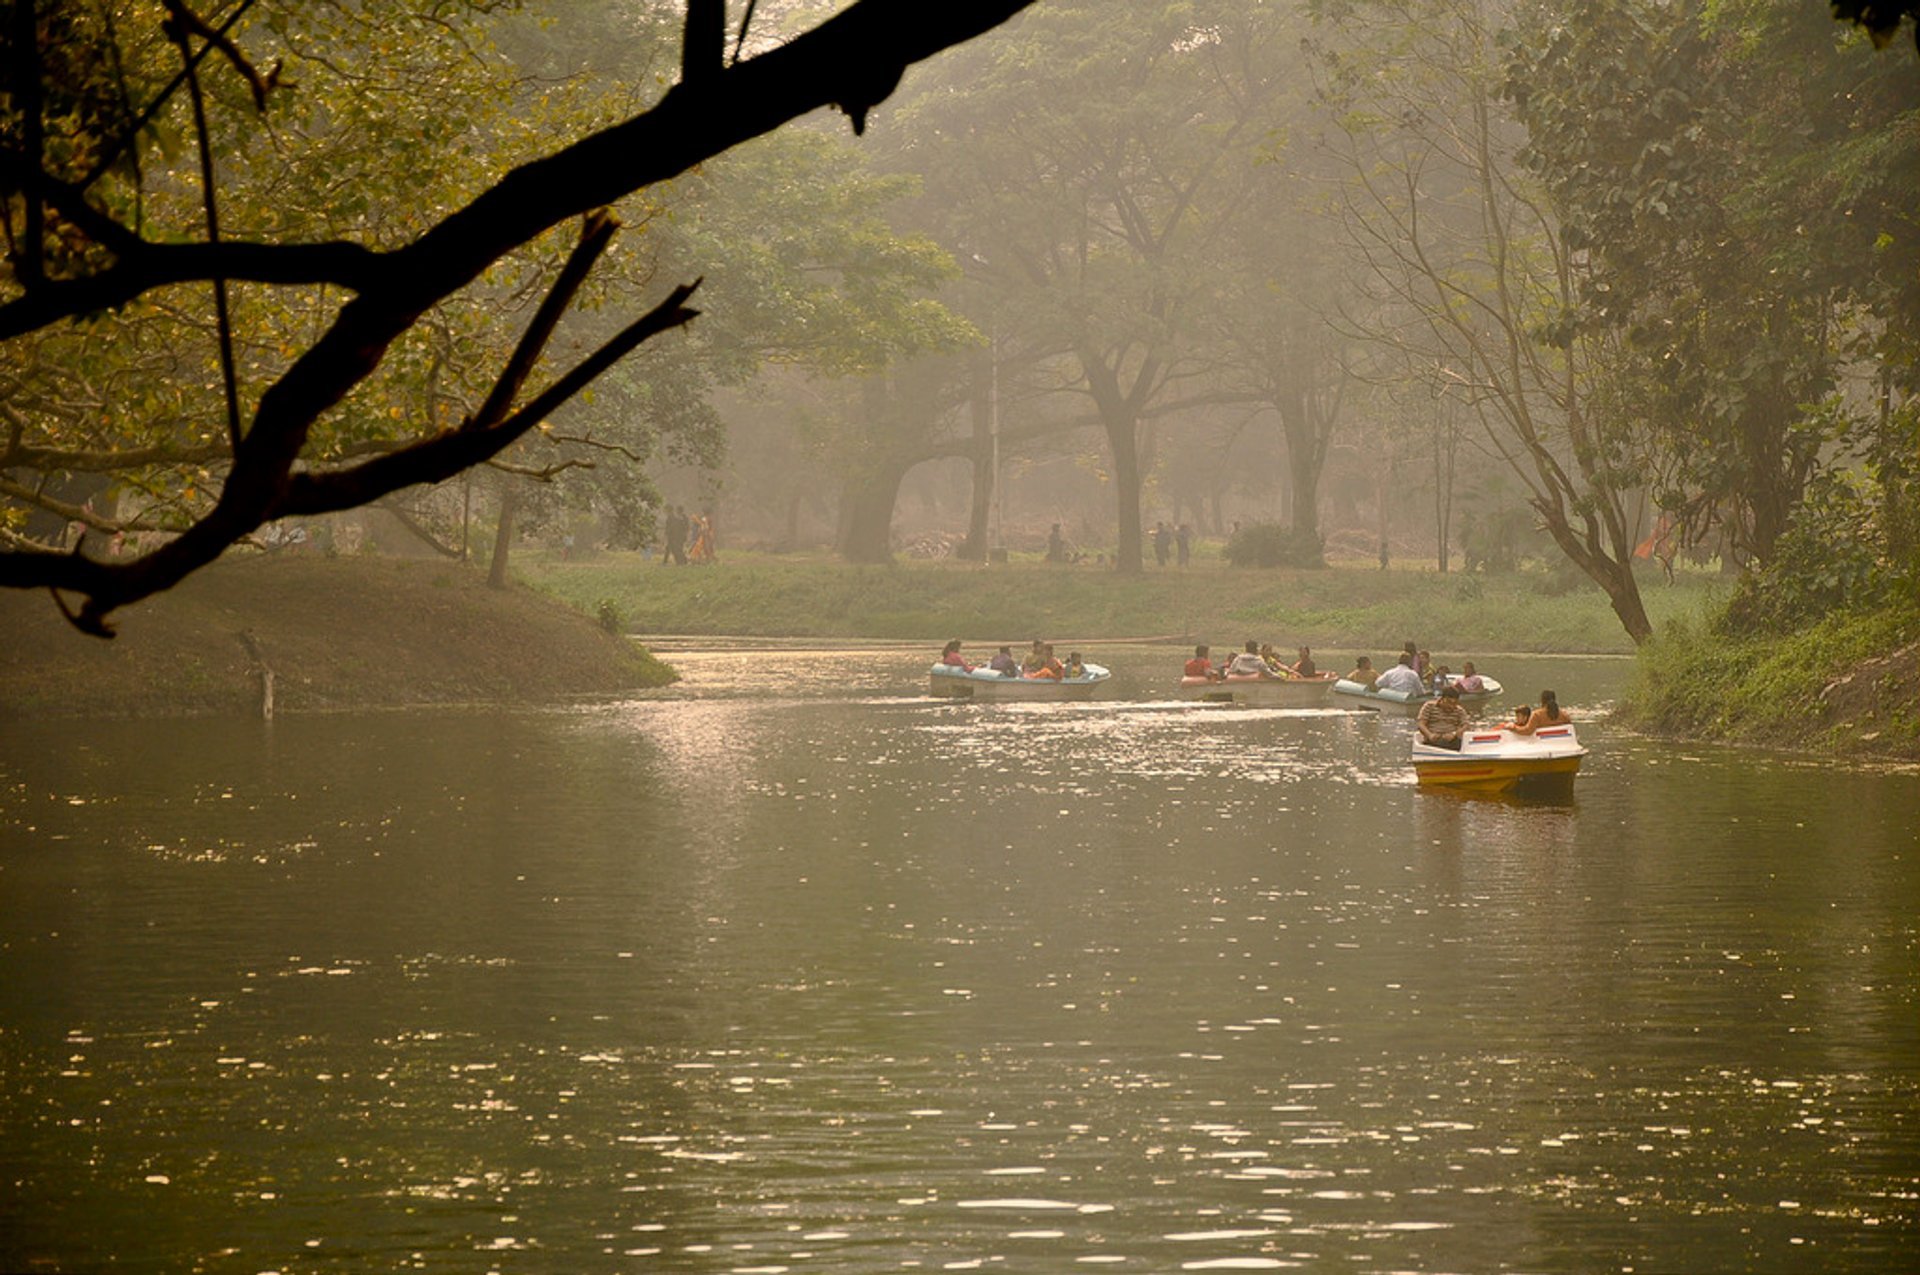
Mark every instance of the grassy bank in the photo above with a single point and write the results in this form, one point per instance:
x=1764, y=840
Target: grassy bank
x=337, y=633
x=1344, y=608
x=1849, y=685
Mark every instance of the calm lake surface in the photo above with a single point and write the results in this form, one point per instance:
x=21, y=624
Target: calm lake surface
x=793, y=969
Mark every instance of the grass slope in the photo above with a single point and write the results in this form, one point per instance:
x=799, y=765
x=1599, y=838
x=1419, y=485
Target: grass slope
x=1348, y=608
x=1849, y=684
x=337, y=632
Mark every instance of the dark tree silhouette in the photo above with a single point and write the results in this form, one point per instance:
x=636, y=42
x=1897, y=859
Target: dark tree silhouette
x=851, y=61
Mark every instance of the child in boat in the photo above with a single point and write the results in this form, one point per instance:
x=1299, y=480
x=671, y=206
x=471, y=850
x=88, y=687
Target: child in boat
x=1074, y=667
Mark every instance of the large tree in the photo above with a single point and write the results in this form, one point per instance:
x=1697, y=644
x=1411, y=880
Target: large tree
x=1093, y=209
x=1475, y=279
x=85, y=105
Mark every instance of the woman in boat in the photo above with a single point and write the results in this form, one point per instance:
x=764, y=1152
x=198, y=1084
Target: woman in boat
x=1471, y=683
x=951, y=655
x=1364, y=673
x=1271, y=658
x=1549, y=713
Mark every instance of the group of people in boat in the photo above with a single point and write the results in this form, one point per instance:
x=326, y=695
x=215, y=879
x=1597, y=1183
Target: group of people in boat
x=1039, y=662
x=1415, y=673
x=1256, y=660
x=1443, y=721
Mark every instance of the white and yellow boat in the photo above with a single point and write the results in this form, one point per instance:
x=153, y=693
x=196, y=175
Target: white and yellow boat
x=1499, y=760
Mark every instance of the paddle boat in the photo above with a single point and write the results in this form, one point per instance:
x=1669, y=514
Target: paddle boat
x=1499, y=760
x=1407, y=703
x=954, y=682
x=1260, y=692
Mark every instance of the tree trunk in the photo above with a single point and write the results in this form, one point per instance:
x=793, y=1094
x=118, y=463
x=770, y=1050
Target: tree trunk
x=1128, y=559
x=503, y=534
x=1613, y=576
x=981, y=409
x=866, y=521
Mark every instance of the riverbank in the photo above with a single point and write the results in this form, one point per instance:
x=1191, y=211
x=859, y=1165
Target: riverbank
x=1846, y=686
x=337, y=633
x=1346, y=609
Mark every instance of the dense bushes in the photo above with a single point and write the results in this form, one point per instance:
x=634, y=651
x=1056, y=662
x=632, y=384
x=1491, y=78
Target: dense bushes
x=1268, y=544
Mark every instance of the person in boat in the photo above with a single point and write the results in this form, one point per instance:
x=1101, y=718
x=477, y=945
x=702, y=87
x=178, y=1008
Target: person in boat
x=1074, y=668
x=1521, y=712
x=1471, y=683
x=1363, y=673
x=1201, y=665
x=1304, y=666
x=1275, y=665
x=1004, y=664
x=1248, y=663
x=951, y=656
x=1549, y=713
x=1048, y=667
x=1423, y=665
x=1442, y=720
x=1401, y=677
x=1035, y=660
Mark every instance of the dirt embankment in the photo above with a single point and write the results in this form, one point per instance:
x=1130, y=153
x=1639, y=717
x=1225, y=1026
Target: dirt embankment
x=336, y=633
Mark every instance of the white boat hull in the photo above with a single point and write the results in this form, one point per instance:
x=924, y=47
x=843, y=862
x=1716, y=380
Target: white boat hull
x=946, y=681
x=1259, y=692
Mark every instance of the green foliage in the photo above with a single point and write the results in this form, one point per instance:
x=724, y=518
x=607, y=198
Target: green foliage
x=1832, y=556
x=1268, y=544
x=1843, y=682
x=611, y=617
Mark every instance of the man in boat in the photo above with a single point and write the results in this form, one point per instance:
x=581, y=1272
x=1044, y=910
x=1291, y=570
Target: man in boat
x=1248, y=663
x=1004, y=664
x=1400, y=677
x=1200, y=665
x=1442, y=720
x=1305, y=667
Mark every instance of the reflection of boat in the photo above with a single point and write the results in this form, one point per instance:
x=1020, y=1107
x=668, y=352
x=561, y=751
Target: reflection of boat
x=1260, y=692
x=1408, y=703
x=1497, y=760
x=982, y=683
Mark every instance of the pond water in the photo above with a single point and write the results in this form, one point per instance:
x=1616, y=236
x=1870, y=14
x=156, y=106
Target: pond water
x=791, y=968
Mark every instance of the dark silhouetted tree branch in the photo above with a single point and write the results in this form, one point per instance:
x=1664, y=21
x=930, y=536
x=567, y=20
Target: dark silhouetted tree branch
x=852, y=60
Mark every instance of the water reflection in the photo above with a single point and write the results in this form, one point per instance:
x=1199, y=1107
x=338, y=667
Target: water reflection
x=847, y=978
